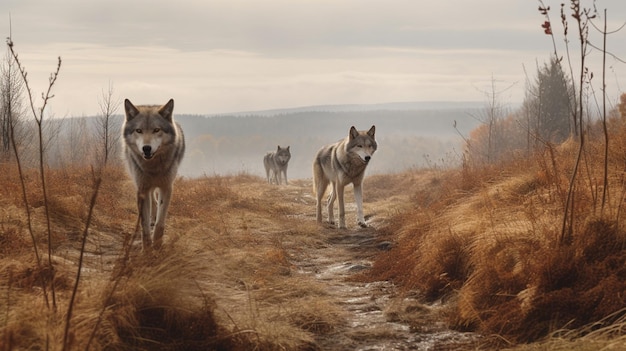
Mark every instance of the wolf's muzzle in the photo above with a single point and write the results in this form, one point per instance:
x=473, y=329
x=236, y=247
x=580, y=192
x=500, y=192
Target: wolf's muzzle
x=147, y=152
x=367, y=159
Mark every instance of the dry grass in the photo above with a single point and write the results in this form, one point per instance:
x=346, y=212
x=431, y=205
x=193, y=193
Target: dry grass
x=223, y=280
x=487, y=241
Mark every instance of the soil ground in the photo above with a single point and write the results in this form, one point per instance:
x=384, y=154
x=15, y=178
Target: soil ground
x=379, y=317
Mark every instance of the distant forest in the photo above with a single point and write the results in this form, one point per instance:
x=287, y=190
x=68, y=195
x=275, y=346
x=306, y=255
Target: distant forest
x=236, y=143
x=231, y=144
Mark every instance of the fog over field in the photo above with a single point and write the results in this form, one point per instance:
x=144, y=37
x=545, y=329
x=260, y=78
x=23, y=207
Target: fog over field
x=408, y=134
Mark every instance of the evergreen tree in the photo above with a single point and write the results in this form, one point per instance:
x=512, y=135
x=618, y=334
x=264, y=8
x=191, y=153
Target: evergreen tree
x=548, y=104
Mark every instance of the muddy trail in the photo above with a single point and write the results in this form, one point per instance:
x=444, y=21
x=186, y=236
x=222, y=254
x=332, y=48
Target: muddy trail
x=378, y=316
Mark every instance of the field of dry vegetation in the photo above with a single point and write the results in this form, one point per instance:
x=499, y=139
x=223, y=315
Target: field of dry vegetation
x=490, y=242
x=480, y=248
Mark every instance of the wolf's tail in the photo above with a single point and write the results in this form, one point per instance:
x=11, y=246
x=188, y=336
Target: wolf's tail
x=319, y=183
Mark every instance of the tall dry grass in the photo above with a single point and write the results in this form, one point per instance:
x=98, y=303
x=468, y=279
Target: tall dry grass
x=488, y=241
x=223, y=281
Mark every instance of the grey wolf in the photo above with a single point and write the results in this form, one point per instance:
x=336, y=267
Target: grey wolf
x=340, y=164
x=276, y=165
x=154, y=146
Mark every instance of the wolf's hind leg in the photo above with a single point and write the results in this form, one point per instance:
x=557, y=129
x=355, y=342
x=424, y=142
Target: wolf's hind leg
x=267, y=175
x=320, y=183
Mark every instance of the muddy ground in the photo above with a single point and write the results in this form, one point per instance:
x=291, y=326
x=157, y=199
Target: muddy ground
x=379, y=316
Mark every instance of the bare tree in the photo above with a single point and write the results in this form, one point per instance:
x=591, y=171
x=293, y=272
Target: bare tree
x=107, y=128
x=493, y=112
x=11, y=107
x=38, y=115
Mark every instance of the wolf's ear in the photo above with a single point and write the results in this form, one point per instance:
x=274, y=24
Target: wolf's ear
x=278, y=148
x=131, y=110
x=353, y=133
x=287, y=147
x=167, y=110
x=371, y=131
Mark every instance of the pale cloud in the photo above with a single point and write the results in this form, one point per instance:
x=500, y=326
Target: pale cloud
x=224, y=56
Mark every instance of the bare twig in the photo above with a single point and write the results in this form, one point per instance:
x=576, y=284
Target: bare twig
x=39, y=119
x=24, y=196
x=567, y=230
x=604, y=127
x=70, y=309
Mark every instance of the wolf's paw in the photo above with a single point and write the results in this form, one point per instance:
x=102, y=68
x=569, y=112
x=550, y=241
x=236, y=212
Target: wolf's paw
x=327, y=224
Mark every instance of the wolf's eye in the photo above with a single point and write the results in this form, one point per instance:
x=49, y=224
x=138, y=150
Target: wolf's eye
x=359, y=146
x=138, y=131
x=156, y=130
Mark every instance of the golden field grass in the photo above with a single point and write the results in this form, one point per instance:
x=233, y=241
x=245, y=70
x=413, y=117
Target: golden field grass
x=488, y=243
x=222, y=281
x=484, y=241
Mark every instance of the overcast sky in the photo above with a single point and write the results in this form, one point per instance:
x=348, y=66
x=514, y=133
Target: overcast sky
x=215, y=56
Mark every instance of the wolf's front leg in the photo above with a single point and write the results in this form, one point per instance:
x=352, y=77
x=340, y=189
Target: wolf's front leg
x=358, y=198
x=342, y=207
x=143, y=206
x=161, y=213
x=279, y=177
x=331, y=204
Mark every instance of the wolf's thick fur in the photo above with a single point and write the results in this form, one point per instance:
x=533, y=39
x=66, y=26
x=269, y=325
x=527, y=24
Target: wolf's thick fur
x=154, y=146
x=276, y=165
x=340, y=164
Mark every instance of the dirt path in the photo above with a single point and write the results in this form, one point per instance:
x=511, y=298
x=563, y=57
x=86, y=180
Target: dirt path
x=378, y=317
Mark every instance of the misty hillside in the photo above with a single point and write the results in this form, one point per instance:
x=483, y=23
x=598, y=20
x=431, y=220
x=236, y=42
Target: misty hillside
x=409, y=135
x=389, y=106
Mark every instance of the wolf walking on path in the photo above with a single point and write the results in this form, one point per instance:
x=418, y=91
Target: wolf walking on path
x=276, y=165
x=340, y=164
x=154, y=146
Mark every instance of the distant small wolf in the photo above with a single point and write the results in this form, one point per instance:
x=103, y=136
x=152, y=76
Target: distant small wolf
x=340, y=164
x=276, y=165
x=154, y=146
